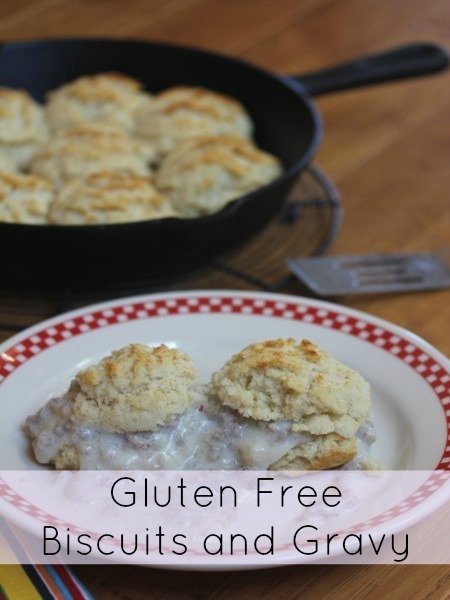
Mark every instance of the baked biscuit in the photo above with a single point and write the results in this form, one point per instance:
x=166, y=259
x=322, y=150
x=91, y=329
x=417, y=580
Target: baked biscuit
x=108, y=198
x=22, y=126
x=136, y=388
x=322, y=452
x=286, y=380
x=24, y=198
x=182, y=113
x=202, y=175
x=91, y=148
x=105, y=98
x=298, y=401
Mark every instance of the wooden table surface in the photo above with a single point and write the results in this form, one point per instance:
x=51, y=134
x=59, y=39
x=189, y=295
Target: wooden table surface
x=387, y=149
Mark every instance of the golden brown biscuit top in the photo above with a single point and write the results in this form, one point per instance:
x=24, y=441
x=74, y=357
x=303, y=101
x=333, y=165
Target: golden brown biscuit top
x=103, y=87
x=182, y=113
x=19, y=181
x=234, y=154
x=10, y=97
x=203, y=174
x=296, y=381
x=92, y=131
x=24, y=198
x=136, y=388
x=98, y=185
x=197, y=99
x=130, y=364
x=108, y=197
x=281, y=354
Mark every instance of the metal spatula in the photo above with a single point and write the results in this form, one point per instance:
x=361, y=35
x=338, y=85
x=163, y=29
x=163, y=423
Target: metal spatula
x=373, y=273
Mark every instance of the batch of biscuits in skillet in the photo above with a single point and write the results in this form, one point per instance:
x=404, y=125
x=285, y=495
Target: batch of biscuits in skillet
x=101, y=150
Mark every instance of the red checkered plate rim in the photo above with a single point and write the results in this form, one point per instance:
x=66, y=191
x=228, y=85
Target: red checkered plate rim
x=426, y=361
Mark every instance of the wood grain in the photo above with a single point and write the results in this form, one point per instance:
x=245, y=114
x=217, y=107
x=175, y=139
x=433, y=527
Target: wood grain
x=386, y=148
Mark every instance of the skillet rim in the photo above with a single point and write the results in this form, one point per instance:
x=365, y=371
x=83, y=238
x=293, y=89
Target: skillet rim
x=231, y=207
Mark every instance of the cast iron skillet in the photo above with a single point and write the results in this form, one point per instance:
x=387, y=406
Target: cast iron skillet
x=287, y=124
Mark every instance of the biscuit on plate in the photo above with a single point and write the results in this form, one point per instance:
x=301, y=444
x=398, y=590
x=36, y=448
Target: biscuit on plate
x=140, y=407
x=283, y=379
x=202, y=175
x=91, y=148
x=24, y=198
x=108, y=198
x=105, y=98
x=181, y=113
x=299, y=389
x=22, y=126
x=136, y=388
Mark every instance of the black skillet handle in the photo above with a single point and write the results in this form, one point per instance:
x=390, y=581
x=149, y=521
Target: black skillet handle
x=398, y=63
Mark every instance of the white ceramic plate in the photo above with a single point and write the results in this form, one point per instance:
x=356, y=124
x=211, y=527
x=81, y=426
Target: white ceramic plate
x=409, y=378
